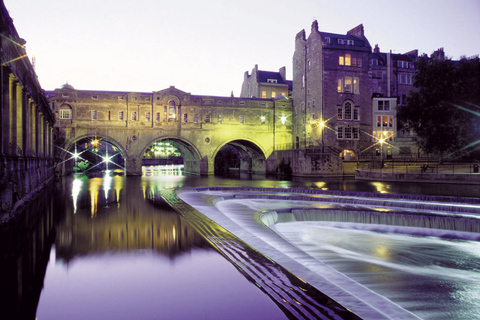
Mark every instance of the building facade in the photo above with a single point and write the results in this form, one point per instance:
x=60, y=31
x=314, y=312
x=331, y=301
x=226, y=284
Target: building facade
x=266, y=84
x=198, y=125
x=26, y=144
x=332, y=91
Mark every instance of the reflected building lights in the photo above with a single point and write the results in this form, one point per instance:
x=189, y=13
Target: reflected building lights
x=94, y=187
x=380, y=187
x=76, y=188
x=107, y=183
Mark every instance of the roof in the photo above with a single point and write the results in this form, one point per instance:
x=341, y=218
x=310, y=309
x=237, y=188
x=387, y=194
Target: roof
x=264, y=76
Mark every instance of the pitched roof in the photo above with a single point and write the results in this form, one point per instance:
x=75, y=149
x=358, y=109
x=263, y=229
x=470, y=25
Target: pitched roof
x=264, y=76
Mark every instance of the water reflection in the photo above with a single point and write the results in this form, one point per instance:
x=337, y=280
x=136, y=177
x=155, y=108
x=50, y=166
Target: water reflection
x=105, y=225
x=24, y=251
x=103, y=234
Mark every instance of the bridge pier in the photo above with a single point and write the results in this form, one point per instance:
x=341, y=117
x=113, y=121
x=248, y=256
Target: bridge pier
x=133, y=166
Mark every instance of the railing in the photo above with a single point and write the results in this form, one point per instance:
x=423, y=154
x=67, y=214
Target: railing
x=418, y=167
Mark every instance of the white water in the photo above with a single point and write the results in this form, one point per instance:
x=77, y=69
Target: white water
x=431, y=277
x=434, y=278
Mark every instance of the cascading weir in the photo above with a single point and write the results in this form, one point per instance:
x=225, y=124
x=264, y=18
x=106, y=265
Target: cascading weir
x=248, y=213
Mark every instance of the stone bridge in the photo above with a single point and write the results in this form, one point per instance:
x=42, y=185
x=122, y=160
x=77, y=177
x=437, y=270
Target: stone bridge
x=199, y=126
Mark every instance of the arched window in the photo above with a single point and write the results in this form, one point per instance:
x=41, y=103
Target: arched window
x=65, y=112
x=171, y=110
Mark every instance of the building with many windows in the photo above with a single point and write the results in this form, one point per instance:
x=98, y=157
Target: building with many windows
x=332, y=91
x=266, y=84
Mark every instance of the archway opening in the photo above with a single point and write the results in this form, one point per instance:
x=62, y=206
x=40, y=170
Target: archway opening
x=94, y=155
x=239, y=157
x=169, y=156
x=347, y=154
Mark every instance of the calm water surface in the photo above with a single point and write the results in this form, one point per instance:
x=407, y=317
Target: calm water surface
x=101, y=250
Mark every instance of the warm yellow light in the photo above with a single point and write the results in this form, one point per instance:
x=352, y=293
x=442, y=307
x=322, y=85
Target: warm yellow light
x=283, y=119
x=382, y=140
x=322, y=123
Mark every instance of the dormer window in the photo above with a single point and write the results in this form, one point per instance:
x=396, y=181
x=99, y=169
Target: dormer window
x=327, y=39
x=272, y=80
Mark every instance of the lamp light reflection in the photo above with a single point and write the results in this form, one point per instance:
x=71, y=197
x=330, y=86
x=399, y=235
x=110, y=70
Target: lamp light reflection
x=76, y=188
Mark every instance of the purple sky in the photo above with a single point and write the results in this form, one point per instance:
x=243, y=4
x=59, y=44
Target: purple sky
x=205, y=47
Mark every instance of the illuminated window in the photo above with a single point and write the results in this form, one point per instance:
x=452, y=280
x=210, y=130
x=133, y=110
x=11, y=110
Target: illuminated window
x=348, y=60
x=283, y=94
x=262, y=118
x=347, y=84
x=120, y=115
x=341, y=60
x=264, y=94
x=274, y=94
x=94, y=114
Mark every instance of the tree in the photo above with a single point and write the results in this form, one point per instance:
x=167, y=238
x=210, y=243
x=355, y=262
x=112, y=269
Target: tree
x=444, y=110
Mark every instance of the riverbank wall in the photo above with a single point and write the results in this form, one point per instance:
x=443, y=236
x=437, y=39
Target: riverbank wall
x=378, y=175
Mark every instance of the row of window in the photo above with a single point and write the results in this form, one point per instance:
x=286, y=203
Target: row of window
x=353, y=133
x=348, y=84
x=405, y=78
x=400, y=64
x=348, y=133
x=347, y=60
x=385, y=135
x=347, y=112
x=385, y=121
x=67, y=114
x=274, y=94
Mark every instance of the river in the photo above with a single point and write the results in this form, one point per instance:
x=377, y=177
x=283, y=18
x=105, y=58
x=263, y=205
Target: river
x=96, y=248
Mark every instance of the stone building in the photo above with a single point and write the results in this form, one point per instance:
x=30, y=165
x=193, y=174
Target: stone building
x=266, y=84
x=26, y=144
x=199, y=126
x=392, y=80
x=332, y=91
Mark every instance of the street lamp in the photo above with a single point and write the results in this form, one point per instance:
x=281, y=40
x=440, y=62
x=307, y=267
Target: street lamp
x=322, y=128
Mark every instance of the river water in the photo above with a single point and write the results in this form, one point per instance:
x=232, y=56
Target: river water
x=96, y=248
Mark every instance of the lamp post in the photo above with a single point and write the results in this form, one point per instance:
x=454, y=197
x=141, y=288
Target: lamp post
x=322, y=127
x=382, y=140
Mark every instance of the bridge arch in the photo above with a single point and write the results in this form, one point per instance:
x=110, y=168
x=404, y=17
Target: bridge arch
x=192, y=159
x=102, y=153
x=241, y=155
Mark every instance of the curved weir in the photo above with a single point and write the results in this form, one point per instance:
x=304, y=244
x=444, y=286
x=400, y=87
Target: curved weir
x=285, y=240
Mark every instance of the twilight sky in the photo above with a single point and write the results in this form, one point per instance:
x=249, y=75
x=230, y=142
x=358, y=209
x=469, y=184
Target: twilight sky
x=205, y=47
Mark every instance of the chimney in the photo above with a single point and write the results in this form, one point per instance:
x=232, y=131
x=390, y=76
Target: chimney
x=283, y=73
